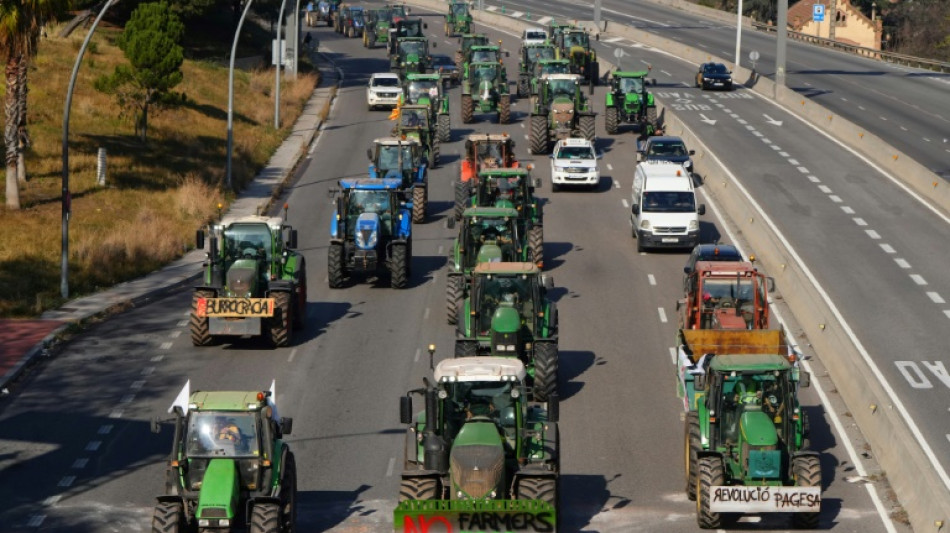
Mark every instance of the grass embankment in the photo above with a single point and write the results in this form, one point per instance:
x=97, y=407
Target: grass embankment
x=157, y=193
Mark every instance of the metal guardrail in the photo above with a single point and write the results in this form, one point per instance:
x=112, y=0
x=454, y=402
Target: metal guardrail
x=888, y=57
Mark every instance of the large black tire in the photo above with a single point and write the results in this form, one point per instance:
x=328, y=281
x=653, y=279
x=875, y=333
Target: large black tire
x=806, y=469
x=524, y=89
x=539, y=134
x=371, y=39
x=463, y=198
x=594, y=73
x=693, y=445
x=399, y=266
x=466, y=348
x=168, y=518
x=418, y=204
x=288, y=494
x=651, y=117
x=536, y=244
x=504, y=109
x=200, y=335
x=468, y=108
x=611, y=119
x=265, y=518
x=335, y=265
x=280, y=325
x=445, y=128
x=545, y=370
x=587, y=126
x=708, y=474
x=453, y=299
x=538, y=488
x=640, y=247
x=436, y=150
x=419, y=488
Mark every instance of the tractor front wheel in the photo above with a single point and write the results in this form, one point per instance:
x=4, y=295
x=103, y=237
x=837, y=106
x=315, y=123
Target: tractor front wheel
x=523, y=90
x=419, y=488
x=693, y=445
x=265, y=518
x=418, y=205
x=587, y=126
x=709, y=474
x=436, y=150
x=651, y=119
x=453, y=299
x=335, y=266
x=611, y=118
x=466, y=348
x=280, y=323
x=168, y=518
x=371, y=39
x=807, y=472
x=288, y=493
x=545, y=370
x=462, y=198
x=399, y=267
x=539, y=134
x=445, y=128
x=200, y=334
x=536, y=245
x=468, y=108
x=538, y=488
x=504, y=109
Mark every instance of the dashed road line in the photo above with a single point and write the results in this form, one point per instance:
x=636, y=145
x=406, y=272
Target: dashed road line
x=52, y=500
x=93, y=445
x=901, y=262
x=652, y=279
x=662, y=314
x=935, y=298
x=873, y=234
x=418, y=353
x=441, y=247
x=67, y=481
x=156, y=358
x=389, y=469
x=783, y=154
x=803, y=170
x=36, y=520
x=918, y=279
x=814, y=179
x=947, y=312
x=609, y=166
x=147, y=371
x=847, y=210
x=79, y=464
x=625, y=204
x=137, y=384
x=616, y=184
x=166, y=345
x=888, y=249
x=175, y=334
x=105, y=429
x=776, y=147
x=425, y=315
x=860, y=221
x=128, y=398
x=673, y=354
x=835, y=198
x=182, y=323
x=293, y=353
x=793, y=162
x=825, y=189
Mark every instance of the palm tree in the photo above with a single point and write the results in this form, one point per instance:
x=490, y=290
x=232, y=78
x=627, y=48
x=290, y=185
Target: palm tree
x=20, y=23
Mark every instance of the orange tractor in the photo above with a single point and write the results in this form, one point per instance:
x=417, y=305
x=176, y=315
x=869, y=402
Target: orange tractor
x=725, y=295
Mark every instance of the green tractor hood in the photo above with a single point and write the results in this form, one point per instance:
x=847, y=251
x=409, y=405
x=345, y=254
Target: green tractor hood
x=242, y=278
x=412, y=58
x=506, y=320
x=489, y=253
x=631, y=100
x=477, y=462
x=757, y=429
x=764, y=459
x=220, y=490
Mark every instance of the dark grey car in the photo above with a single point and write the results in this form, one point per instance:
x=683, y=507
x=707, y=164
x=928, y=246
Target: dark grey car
x=665, y=148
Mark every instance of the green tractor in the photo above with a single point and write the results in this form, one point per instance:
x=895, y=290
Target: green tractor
x=545, y=67
x=481, y=439
x=575, y=46
x=429, y=90
x=506, y=313
x=746, y=436
x=378, y=22
x=485, y=88
x=413, y=123
x=458, y=19
x=486, y=234
x=401, y=28
x=531, y=56
x=507, y=188
x=628, y=101
x=254, y=283
x=229, y=465
x=412, y=56
x=466, y=42
x=559, y=111
x=555, y=29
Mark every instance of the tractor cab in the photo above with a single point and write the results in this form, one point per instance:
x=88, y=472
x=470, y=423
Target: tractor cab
x=248, y=247
x=499, y=187
x=493, y=234
x=561, y=86
x=399, y=12
x=423, y=89
x=726, y=295
x=397, y=158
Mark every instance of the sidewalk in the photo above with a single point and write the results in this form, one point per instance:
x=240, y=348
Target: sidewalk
x=21, y=341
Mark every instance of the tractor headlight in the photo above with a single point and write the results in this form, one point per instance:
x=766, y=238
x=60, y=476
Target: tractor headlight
x=224, y=522
x=204, y=523
x=693, y=225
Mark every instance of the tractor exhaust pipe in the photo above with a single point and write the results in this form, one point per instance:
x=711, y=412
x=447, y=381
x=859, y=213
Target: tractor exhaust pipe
x=436, y=453
x=217, y=266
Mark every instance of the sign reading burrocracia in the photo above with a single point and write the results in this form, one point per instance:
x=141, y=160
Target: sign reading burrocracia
x=463, y=516
x=235, y=307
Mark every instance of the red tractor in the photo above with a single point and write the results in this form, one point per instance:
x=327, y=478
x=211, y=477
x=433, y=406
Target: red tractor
x=482, y=151
x=725, y=295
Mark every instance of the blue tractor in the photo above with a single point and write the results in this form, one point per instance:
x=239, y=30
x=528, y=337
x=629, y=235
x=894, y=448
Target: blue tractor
x=370, y=231
x=403, y=160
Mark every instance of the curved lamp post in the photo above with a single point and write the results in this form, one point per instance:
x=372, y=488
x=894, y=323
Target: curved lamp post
x=237, y=34
x=64, y=260
x=280, y=60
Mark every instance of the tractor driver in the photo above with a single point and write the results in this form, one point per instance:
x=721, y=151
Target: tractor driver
x=496, y=233
x=631, y=85
x=227, y=430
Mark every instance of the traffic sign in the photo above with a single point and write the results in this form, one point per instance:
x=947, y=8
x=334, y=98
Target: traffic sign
x=818, y=13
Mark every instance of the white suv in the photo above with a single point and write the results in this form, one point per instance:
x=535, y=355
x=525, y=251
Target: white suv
x=383, y=90
x=534, y=36
x=574, y=162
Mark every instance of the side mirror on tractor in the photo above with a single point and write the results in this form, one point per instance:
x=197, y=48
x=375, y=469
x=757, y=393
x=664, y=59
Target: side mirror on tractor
x=405, y=409
x=286, y=425
x=292, y=244
x=554, y=408
x=200, y=239
x=156, y=426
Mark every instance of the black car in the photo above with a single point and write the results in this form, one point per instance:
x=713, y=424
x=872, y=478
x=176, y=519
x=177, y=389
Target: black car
x=714, y=76
x=665, y=148
x=709, y=252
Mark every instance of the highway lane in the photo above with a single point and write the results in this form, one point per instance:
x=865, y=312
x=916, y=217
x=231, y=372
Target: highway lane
x=905, y=106
x=364, y=346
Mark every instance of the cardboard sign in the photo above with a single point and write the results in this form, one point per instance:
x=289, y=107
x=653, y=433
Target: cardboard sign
x=235, y=307
x=457, y=516
x=738, y=499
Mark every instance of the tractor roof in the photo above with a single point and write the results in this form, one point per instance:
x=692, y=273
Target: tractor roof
x=725, y=268
x=479, y=369
x=506, y=268
x=489, y=137
x=630, y=74
x=392, y=141
x=273, y=222
x=573, y=77
x=413, y=77
x=479, y=47
x=470, y=35
x=413, y=39
x=765, y=362
x=504, y=172
x=490, y=212
x=371, y=184
x=475, y=64
x=224, y=401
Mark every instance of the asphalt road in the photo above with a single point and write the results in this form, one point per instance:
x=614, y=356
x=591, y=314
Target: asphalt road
x=76, y=453
x=907, y=107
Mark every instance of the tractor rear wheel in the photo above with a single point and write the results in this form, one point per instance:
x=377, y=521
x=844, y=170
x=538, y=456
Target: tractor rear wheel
x=281, y=323
x=523, y=90
x=504, y=109
x=709, y=474
x=587, y=126
x=693, y=445
x=539, y=134
x=168, y=518
x=445, y=128
x=398, y=267
x=419, y=488
x=545, y=370
x=418, y=204
x=538, y=488
x=536, y=244
x=453, y=299
x=436, y=150
x=466, y=348
x=462, y=198
x=371, y=39
x=611, y=118
x=335, y=265
x=651, y=118
x=200, y=334
x=807, y=472
x=288, y=493
x=468, y=108
x=265, y=518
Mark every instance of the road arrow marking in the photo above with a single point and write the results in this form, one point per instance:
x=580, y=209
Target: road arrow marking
x=771, y=120
x=709, y=121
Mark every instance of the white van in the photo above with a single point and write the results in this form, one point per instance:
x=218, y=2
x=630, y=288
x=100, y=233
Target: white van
x=534, y=36
x=664, y=212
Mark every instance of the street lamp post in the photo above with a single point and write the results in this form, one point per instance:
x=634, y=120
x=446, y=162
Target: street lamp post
x=237, y=34
x=782, y=33
x=64, y=260
x=280, y=59
x=738, y=32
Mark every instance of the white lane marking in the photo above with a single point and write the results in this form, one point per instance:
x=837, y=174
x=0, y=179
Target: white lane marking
x=935, y=298
x=93, y=445
x=662, y=315
x=156, y=358
x=36, y=520
x=105, y=429
x=517, y=14
x=425, y=315
x=612, y=40
x=873, y=234
x=652, y=279
x=776, y=147
x=860, y=221
x=174, y=334
x=609, y=166
x=783, y=154
x=750, y=127
x=926, y=139
x=673, y=355
x=725, y=110
x=147, y=371
x=947, y=312
x=616, y=184
x=918, y=279
x=743, y=121
x=522, y=125
x=67, y=481
x=825, y=189
x=435, y=277
x=793, y=162
x=625, y=204
x=667, y=73
x=814, y=179
x=861, y=107
x=766, y=140
x=448, y=42
x=441, y=248
x=80, y=463
x=888, y=249
x=389, y=469
x=847, y=210
x=803, y=170
x=166, y=345
x=903, y=128
x=128, y=398
x=491, y=8
x=52, y=500
x=544, y=20
x=418, y=353
x=901, y=262
x=187, y=313
x=182, y=323
x=117, y=413
x=733, y=115
x=759, y=134
x=137, y=384
x=293, y=353
x=835, y=198
x=526, y=137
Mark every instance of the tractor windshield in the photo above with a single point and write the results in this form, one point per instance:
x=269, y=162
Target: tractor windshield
x=484, y=56
x=247, y=241
x=413, y=29
x=555, y=67
x=499, y=232
x=459, y=10
x=420, y=88
x=413, y=118
x=398, y=11
x=484, y=73
x=383, y=15
x=490, y=154
x=407, y=48
x=390, y=155
x=749, y=392
x=222, y=434
x=358, y=18
x=564, y=88
x=466, y=400
x=576, y=39
x=631, y=85
x=502, y=188
x=539, y=53
x=500, y=292
x=368, y=201
x=669, y=202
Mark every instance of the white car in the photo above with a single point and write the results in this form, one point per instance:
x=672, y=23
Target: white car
x=534, y=36
x=383, y=90
x=574, y=162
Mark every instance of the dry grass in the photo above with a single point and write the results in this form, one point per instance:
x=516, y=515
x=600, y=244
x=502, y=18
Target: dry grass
x=157, y=193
